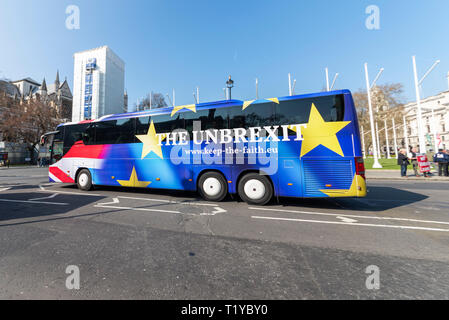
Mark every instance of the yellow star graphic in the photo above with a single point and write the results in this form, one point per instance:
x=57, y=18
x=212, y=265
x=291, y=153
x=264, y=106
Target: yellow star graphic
x=191, y=107
x=151, y=142
x=246, y=104
x=134, y=181
x=319, y=132
x=357, y=189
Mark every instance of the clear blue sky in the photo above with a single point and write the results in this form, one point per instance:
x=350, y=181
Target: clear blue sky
x=183, y=44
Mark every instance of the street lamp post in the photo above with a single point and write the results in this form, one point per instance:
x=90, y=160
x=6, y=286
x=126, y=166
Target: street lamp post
x=376, y=163
x=378, y=143
x=330, y=87
x=422, y=141
x=406, y=135
x=386, y=139
x=395, y=139
x=230, y=85
x=363, y=143
x=257, y=89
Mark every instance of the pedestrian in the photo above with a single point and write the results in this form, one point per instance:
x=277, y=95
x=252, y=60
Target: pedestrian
x=414, y=160
x=403, y=162
x=7, y=162
x=446, y=167
x=441, y=159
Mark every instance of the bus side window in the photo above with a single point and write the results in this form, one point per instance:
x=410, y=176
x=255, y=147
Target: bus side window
x=89, y=135
x=255, y=115
x=165, y=123
x=72, y=134
x=142, y=125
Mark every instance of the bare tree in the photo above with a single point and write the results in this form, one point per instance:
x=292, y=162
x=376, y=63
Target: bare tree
x=157, y=101
x=387, y=104
x=26, y=122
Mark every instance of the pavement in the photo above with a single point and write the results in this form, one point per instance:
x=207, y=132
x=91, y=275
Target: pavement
x=149, y=244
x=396, y=175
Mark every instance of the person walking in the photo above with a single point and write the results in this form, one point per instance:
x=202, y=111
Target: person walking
x=7, y=162
x=414, y=160
x=441, y=159
x=403, y=162
x=446, y=167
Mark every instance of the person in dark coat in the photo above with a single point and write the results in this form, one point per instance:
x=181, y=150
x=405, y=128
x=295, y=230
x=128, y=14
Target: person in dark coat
x=403, y=162
x=442, y=159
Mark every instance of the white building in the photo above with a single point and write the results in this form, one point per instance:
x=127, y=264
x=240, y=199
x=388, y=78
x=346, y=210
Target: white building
x=436, y=123
x=98, y=85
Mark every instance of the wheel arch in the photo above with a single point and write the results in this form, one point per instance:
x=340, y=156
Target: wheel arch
x=78, y=172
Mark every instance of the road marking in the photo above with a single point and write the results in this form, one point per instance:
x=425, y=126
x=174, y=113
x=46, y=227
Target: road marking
x=49, y=197
x=347, y=220
x=172, y=201
x=116, y=201
x=217, y=210
x=349, y=215
x=353, y=224
x=70, y=192
x=29, y=201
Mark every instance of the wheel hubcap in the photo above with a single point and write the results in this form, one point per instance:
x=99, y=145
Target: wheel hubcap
x=254, y=189
x=83, y=179
x=212, y=186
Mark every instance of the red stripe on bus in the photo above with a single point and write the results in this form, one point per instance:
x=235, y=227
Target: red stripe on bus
x=80, y=150
x=61, y=175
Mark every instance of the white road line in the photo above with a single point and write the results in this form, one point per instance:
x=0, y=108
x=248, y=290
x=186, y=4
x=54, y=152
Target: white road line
x=42, y=202
x=352, y=224
x=138, y=209
x=70, y=192
x=349, y=215
x=49, y=197
x=116, y=201
x=171, y=201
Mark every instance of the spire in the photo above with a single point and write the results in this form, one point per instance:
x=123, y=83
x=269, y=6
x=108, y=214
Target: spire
x=57, y=79
x=44, y=85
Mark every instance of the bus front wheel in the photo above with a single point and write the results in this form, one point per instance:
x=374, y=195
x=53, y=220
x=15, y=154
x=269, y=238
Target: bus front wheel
x=84, y=180
x=212, y=186
x=255, y=189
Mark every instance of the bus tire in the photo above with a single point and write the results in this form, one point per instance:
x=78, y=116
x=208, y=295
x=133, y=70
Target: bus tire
x=84, y=180
x=212, y=186
x=254, y=188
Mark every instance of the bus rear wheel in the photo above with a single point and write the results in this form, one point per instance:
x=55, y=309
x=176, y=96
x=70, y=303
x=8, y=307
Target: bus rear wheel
x=255, y=189
x=84, y=180
x=212, y=186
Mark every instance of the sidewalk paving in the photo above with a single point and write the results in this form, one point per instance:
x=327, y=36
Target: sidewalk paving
x=20, y=167
x=396, y=175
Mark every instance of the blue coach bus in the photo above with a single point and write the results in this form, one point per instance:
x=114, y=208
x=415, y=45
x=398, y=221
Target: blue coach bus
x=303, y=146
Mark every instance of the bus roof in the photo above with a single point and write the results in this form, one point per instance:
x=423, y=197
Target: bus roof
x=215, y=104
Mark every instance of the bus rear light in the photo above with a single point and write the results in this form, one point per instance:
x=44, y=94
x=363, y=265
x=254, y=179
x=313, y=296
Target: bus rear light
x=360, y=167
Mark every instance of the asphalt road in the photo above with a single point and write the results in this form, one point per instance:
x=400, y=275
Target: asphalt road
x=142, y=244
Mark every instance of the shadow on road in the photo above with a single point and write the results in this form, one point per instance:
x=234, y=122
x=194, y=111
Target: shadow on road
x=39, y=204
x=378, y=199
